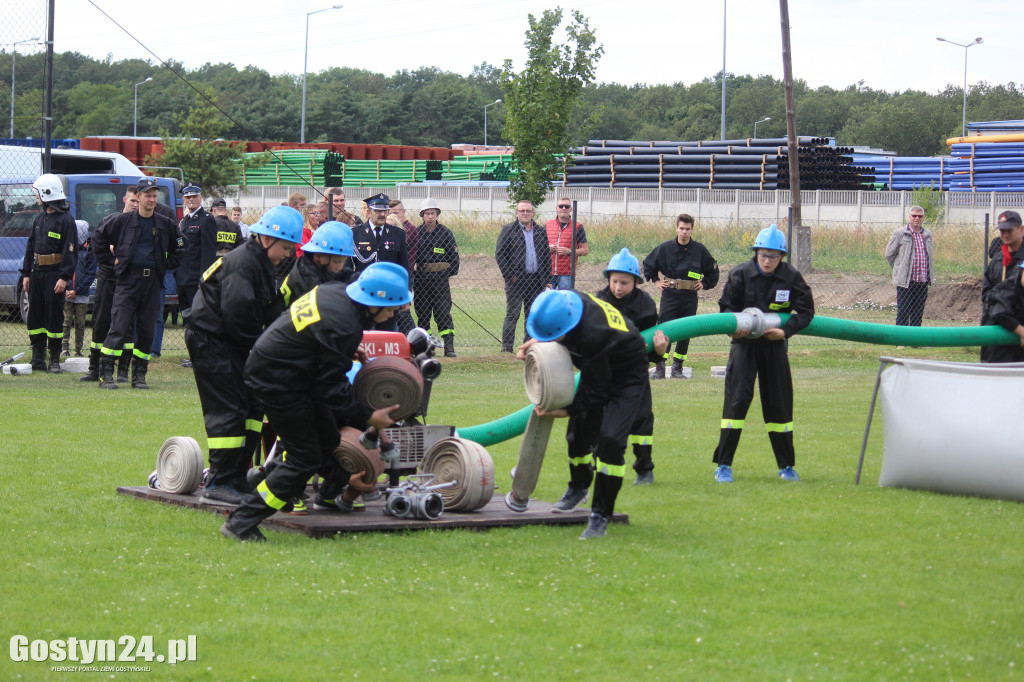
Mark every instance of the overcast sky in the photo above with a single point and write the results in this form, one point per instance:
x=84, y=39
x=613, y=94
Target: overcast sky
x=889, y=44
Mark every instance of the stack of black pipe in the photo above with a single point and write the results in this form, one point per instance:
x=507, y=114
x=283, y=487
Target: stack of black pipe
x=715, y=164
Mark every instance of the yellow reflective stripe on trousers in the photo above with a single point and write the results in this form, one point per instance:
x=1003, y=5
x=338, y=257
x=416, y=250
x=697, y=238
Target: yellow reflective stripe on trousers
x=446, y=332
x=33, y=332
x=616, y=470
x=580, y=461
x=254, y=425
x=226, y=442
x=733, y=423
x=139, y=354
x=110, y=351
x=679, y=357
x=641, y=440
x=55, y=335
x=270, y=498
x=779, y=428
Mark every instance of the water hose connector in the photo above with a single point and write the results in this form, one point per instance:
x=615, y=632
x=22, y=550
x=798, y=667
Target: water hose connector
x=756, y=321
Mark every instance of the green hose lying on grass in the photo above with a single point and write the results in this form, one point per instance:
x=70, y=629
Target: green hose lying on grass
x=512, y=425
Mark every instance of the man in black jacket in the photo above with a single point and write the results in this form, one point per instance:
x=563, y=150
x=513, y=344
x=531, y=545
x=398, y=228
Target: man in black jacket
x=1005, y=254
x=524, y=259
x=146, y=245
x=437, y=260
x=766, y=283
x=1006, y=308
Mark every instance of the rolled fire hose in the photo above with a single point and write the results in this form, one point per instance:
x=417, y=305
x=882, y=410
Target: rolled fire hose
x=386, y=381
x=469, y=465
x=512, y=425
x=548, y=378
x=353, y=457
x=179, y=466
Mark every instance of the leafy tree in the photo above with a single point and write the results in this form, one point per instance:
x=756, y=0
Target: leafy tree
x=540, y=100
x=204, y=160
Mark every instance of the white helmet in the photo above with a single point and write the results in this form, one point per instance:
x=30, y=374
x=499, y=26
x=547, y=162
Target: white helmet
x=428, y=204
x=49, y=188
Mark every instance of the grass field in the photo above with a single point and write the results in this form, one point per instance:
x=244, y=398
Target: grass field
x=759, y=580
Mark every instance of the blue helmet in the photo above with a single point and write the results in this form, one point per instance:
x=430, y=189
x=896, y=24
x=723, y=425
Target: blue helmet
x=770, y=237
x=625, y=262
x=554, y=313
x=281, y=222
x=332, y=238
x=381, y=284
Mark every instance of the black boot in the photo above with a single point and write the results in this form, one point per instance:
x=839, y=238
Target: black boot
x=54, y=366
x=659, y=370
x=107, y=372
x=94, y=366
x=139, y=369
x=449, y=346
x=123, y=364
x=677, y=369
x=38, y=354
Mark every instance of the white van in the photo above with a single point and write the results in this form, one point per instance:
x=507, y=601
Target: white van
x=21, y=163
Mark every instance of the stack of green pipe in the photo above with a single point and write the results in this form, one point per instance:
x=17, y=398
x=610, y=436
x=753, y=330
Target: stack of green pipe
x=297, y=167
x=383, y=173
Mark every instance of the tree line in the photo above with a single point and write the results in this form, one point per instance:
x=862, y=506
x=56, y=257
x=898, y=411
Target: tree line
x=431, y=107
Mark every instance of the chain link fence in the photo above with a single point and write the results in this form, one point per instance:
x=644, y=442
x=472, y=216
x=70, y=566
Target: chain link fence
x=850, y=277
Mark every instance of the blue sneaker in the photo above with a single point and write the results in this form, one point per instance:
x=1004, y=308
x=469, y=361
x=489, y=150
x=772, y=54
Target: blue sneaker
x=788, y=474
x=723, y=474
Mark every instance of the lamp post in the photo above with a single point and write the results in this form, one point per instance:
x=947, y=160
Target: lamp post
x=14, y=53
x=497, y=101
x=305, y=62
x=766, y=118
x=135, y=116
x=725, y=14
x=976, y=41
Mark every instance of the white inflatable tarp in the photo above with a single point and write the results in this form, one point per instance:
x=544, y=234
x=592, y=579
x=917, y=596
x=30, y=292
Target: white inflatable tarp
x=954, y=427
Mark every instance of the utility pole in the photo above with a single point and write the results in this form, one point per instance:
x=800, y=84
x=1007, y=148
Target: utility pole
x=801, y=248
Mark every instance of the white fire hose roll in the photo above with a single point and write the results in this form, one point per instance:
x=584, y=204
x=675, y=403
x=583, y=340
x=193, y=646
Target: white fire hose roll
x=548, y=377
x=179, y=466
x=469, y=465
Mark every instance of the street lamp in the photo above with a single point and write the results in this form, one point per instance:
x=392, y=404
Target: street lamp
x=135, y=115
x=497, y=101
x=725, y=15
x=305, y=62
x=14, y=52
x=976, y=41
x=766, y=118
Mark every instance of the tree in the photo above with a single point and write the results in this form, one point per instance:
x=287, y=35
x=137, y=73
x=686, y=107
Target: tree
x=204, y=160
x=540, y=100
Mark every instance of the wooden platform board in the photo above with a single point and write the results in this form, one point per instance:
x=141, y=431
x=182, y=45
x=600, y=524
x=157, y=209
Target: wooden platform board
x=319, y=524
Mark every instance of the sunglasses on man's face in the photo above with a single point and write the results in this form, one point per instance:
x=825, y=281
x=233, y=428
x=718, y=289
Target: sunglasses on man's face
x=564, y=206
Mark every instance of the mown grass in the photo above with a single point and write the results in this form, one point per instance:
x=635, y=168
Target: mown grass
x=758, y=580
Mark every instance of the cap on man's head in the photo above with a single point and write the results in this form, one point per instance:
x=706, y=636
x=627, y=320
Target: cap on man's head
x=378, y=202
x=145, y=183
x=191, y=188
x=219, y=203
x=1009, y=220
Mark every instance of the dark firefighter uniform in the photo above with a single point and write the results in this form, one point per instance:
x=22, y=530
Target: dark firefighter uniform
x=236, y=301
x=1006, y=308
x=200, y=232
x=229, y=235
x=437, y=259
x=144, y=250
x=50, y=255
x=297, y=371
x=1002, y=265
x=614, y=388
x=306, y=274
x=685, y=266
x=784, y=291
x=640, y=309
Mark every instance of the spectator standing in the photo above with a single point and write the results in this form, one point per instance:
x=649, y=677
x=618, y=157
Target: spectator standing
x=560, y=241
x=76, y=303
x=524, y=259
x=680, y=268
x=316, y=215
x=1006, y=308
x=379, y=242
x=437, y=261
x=229, y=235
x=335, y=202
x=909, y=254
x=236, y=215
x=49, y=264
x=1005, y=254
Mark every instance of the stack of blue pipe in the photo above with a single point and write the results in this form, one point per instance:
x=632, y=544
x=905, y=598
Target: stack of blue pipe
x=907, y=172
x=988, y=167
x=717, y=164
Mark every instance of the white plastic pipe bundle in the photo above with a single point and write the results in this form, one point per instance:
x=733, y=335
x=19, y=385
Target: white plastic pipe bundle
x=953, y=428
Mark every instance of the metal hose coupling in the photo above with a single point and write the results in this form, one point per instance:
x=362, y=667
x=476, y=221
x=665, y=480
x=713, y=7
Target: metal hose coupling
x=756, y=321
x=416, y=498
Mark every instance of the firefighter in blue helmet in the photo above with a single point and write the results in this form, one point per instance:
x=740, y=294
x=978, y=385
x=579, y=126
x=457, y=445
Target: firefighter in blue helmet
x=613, y=389
x=236, y=301
x=327, y=255
x=297, y=371
x=767, y=283
x=623, y=292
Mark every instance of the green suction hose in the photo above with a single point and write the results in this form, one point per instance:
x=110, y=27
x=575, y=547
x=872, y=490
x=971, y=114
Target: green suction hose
x=512, y=425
